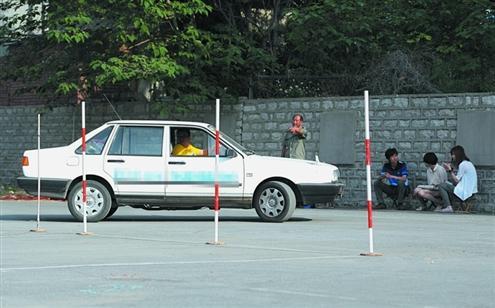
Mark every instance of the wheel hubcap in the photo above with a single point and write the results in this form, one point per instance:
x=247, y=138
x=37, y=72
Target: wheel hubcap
x=272, y=202
x=94, y=201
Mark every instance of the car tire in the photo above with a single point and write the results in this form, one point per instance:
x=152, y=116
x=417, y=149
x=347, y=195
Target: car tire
x=98, y=201
x=112, y=211
x=274, y=201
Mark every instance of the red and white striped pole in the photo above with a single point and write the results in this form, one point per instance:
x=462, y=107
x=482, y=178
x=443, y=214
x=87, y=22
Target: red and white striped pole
x=217, y=158
x=84, y=183
x=367, y=147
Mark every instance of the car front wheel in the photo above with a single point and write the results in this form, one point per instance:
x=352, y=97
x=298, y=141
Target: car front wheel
x=112, y=211
x=274, y=201
x=98, y=201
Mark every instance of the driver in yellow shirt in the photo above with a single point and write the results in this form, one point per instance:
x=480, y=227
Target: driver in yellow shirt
x=185, y=147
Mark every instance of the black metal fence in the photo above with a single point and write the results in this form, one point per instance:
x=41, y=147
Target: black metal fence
x=280, y=86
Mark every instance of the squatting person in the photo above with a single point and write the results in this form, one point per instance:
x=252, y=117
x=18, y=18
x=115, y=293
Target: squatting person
x=392, y=181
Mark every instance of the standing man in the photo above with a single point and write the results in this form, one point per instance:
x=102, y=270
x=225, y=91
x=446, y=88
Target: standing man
x=293, y=142
x=393, y=180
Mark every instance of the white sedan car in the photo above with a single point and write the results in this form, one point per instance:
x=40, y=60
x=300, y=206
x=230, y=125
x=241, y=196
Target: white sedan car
x=132, y=163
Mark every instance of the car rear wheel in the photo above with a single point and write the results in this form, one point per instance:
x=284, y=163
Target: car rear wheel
x=98, y=201
x=274, y=201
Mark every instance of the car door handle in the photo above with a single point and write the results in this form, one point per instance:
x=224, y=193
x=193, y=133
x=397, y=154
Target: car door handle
x=116, y=161
x=176, y=162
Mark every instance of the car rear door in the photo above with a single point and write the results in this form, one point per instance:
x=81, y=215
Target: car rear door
x=136, y=163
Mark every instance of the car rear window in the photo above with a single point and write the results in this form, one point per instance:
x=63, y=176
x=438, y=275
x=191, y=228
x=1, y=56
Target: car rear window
x=95, y=145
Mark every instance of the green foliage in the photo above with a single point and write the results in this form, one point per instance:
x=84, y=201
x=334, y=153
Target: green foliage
x=447, y=45
x=54, y=42
x=193, y=50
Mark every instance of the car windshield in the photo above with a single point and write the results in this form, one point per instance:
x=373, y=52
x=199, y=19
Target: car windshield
x=231, y=141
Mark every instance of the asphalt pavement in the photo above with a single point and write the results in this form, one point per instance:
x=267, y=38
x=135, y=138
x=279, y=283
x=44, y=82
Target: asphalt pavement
x=160, y=259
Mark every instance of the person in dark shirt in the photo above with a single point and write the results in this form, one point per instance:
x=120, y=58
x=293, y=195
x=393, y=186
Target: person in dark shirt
x=393, y=181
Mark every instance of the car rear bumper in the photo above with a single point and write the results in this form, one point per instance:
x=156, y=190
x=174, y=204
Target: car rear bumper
x=320, y=193
x=54, y=188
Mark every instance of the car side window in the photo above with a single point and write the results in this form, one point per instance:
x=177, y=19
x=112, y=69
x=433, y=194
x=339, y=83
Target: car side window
x=211, y=148
x=95, y=145
x=193, y=142
x=137, y=140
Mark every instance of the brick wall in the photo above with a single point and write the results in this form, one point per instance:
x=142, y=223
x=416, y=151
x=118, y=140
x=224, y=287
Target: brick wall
x=413, y=124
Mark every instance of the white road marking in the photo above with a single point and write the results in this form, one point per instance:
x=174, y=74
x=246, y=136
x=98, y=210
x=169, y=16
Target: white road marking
x=304, y=294
x=71, y=266
x=223, y=246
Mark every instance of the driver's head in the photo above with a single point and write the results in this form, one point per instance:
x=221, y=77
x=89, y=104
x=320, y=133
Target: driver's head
x=184, y=136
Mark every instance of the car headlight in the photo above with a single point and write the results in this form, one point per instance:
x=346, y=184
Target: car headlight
x=336, y=174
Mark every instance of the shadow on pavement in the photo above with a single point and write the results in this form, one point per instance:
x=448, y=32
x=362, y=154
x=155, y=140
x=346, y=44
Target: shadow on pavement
x=140, y=218
x=32, y=217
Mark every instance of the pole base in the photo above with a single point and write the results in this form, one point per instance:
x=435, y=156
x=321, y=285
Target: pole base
x=371, y=254
x=37, y=230
x=219, y=243
x=85, y=233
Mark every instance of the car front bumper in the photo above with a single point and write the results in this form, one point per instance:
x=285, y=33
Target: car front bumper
x=320, y=193
x=53, y=188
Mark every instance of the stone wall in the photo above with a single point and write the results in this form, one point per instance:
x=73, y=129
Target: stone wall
x=413, y=124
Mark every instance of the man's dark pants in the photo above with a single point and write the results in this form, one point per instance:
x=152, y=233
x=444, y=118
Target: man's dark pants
x=398, y=191
x=447, y=192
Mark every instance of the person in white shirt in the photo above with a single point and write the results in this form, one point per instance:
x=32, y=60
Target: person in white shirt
x=435, y=175
x=463, y=184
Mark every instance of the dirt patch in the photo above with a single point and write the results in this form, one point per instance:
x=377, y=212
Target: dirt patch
x=21, y=197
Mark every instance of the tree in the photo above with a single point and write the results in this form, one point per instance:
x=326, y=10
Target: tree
x=461, y=37
x=246, y=41
x=55, y=42
x=193, y=50
x=428, y=45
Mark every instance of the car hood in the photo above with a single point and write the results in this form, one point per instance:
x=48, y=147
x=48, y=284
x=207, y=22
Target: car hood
x=305, y=171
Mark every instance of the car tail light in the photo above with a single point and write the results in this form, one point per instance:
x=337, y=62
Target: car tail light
x=25, y=161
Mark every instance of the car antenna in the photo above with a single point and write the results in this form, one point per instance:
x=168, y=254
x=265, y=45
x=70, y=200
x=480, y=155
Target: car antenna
x=112, y=106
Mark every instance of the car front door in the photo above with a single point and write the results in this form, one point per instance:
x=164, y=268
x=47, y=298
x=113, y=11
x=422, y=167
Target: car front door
x=191, y=178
